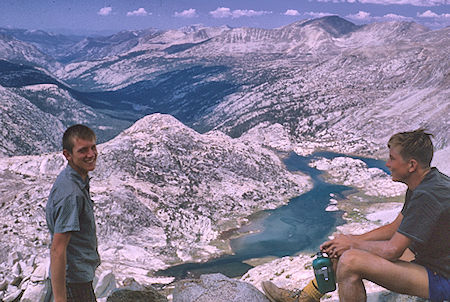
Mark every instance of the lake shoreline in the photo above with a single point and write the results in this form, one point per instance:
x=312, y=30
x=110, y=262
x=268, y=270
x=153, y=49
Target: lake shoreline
x=232, y=242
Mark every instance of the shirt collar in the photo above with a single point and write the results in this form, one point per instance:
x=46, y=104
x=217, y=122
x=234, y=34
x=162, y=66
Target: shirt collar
x=430, y=174
x=73, y=175
x=427, y=177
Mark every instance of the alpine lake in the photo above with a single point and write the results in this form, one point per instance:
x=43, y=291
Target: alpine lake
x=299, y=226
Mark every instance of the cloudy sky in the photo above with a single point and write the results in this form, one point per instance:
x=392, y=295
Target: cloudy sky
x=102, y=16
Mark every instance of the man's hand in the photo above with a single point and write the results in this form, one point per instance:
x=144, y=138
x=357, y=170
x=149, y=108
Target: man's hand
x=337, y=246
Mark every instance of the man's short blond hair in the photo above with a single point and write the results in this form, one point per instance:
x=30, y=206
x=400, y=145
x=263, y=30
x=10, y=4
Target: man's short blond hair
x=415, y=144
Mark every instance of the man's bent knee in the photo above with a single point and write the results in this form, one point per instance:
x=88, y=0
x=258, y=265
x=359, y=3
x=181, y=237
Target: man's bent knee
x=352, y=258
x=350, y=263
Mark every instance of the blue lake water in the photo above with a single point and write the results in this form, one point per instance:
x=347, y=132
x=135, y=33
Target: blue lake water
x=299, y=226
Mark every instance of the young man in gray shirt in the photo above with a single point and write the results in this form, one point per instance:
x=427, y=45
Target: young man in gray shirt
x=423, y=227
x=70, y=219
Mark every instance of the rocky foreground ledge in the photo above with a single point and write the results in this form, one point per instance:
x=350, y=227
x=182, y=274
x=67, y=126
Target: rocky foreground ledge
x=31, y=284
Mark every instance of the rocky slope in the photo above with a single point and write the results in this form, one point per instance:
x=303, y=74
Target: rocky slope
x=163, y=193
x=18, y=51
x=94, y=48
x=348, y=98
x=26, y=129
x=49, y=43
x=36, y=108
x=34, y=118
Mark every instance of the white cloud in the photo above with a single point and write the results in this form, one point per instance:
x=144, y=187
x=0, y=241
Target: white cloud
x=393, y=2
x=292, y=12
x=139, y=12
x=365, y=16
x=248, y=13
x=408, y=2
x=361, y=15
x=427, y=14
x=188, y=13
x=225, y=12
x=105, y=11
x=318, y=14
x=395, y=17
x=221, y=12
x=430, y=14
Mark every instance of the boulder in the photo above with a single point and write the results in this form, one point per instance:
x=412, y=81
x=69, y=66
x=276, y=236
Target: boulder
x=26, y=269
x=394, y=297
x=128, y=295
x=105, y=285
x=217, y=288
x=39, y=284
x=130, y=283
x=12, y=294
x=14, y=258
x=36, y=292
x=41, y=272
x=3, y=285
x=16, y=269
x=135, y=292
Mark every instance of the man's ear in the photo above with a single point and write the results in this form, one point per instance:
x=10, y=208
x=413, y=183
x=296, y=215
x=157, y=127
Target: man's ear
x=413, y=165
x=67, y=154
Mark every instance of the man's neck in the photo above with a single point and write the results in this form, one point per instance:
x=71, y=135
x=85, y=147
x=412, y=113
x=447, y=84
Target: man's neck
x=417, y=178
x=81, y=173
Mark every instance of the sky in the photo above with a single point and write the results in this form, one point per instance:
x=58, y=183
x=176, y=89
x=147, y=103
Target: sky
x=110, y=16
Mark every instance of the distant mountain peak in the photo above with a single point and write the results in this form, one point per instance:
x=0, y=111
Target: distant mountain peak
x=334, y=25
x=149, y=121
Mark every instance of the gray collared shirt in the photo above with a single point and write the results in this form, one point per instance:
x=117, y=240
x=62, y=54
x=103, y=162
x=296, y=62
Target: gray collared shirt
x=70, y=209
x=426, y=221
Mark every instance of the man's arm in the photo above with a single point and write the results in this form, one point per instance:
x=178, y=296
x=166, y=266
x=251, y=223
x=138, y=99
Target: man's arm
x=388, y=249
x=341, y=243
x=58, y=260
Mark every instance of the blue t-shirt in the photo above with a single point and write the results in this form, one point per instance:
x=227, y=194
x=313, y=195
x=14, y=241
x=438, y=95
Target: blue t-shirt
x=426, y=221
x=70, y=209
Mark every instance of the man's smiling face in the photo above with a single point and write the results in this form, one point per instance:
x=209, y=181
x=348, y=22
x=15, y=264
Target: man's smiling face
x=83, y=156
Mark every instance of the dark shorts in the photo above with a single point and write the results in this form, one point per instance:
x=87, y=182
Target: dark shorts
x=80, y=292
x=439, y=287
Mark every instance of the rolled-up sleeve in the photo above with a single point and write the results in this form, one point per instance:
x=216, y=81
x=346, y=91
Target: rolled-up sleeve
x=67, y=213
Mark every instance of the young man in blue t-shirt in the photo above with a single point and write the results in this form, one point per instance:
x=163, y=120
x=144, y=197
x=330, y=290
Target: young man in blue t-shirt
x=70, y=219
x=423, y=227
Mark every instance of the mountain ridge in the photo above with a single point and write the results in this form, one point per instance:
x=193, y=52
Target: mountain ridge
x=314, y=77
